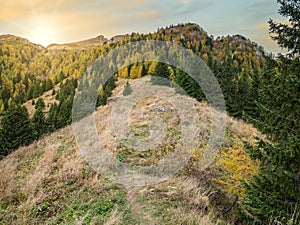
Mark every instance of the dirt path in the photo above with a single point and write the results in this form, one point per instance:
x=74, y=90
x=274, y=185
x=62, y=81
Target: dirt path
x=137, y=210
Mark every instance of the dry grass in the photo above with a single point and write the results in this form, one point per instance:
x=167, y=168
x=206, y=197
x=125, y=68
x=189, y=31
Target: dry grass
x=40, y=182
x=50, y=182
x=181, y=200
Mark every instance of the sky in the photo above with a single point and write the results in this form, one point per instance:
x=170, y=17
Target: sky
x=61, y=21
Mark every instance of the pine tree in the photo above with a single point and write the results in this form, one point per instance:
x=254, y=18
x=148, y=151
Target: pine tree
x=38, y=90
x=64, y=113
x=240, y=94
x=65, y=97
x=60, y=76
x=15, y=129
x=38, y=120
x=186, y=84
x=226, y=76
x=48, y=85
x=29, y=94
x=127, y=89
x=160, y=75
x=39, y=123
x=51, y=120
x=250, y=107
x=2, y=108
x=40, y=104
x=105, y=91
x=210, y=61
x=274, y=193
x=288, y=35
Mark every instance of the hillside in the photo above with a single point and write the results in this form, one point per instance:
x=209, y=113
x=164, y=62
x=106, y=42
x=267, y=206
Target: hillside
x=251, y=181
x=86, y=44
x=47, y=97
x=50, y=181
x=28, y=70
x=80, y=45
x=15, y=41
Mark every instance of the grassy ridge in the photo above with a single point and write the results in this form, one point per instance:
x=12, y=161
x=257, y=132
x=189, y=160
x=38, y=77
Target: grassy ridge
x=50, y=182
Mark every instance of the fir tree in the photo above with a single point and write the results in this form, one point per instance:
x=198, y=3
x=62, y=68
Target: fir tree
x=127, y=89
x=48, y=85
x=51, y=120
x=38, y=90
x=106, y=91
x=64, y=113
x=16, y=129
x=40, y=104
x=287, y=35
x=39, y=123
x=188, y=84
x=160, y=75
x=274, y=193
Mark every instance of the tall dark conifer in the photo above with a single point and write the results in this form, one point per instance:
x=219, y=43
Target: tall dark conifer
x=273, y=195
x=38, y=120
x=15, y=129
x=161, y=75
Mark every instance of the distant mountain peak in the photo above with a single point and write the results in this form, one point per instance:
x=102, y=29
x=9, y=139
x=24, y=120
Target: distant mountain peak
x=12, y=37
x=80, y=45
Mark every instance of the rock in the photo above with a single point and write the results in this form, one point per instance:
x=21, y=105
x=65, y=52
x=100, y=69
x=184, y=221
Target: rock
x=160, y=109
x=111, y=100
x=141, y=113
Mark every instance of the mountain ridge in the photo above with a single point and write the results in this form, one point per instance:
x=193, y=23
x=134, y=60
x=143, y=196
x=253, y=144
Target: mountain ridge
x=99, y=40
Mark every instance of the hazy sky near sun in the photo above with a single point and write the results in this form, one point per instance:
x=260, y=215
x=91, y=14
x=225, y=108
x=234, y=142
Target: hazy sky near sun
x=60, y=21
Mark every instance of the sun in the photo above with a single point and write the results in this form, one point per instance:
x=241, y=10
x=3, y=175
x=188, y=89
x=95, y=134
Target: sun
x=43, y=34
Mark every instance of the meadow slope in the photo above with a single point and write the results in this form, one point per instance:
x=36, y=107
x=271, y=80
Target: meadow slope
x=50, y=182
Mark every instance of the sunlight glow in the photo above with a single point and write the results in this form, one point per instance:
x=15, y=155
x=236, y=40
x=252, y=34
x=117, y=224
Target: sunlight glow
x=43, y=34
